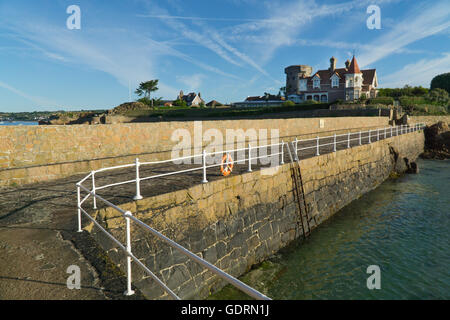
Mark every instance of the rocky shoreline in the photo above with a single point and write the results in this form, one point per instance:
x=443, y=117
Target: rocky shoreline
x=437, y=142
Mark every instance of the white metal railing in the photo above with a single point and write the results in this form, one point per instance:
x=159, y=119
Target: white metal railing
x=385, y=132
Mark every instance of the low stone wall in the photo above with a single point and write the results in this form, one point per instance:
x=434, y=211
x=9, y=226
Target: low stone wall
x=241, y=220
x=37, y=153
x=429, y=120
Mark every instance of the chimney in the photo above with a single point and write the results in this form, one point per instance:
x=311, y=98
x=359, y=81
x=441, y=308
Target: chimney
x=332, y=64
x=347, y=64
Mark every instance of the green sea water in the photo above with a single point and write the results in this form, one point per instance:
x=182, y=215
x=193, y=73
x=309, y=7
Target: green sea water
x=403, y=227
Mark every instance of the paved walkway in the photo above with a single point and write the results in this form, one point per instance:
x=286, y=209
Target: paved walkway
x=37, y=224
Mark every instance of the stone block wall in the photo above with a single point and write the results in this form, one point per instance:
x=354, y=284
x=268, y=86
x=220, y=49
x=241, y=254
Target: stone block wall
x=37, y=153
x=241, y=220
x=429, y=120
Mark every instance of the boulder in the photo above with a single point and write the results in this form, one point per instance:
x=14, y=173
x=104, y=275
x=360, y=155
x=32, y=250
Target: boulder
x=437, y=141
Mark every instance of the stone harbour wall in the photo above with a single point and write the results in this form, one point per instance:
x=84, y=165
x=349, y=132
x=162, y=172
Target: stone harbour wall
x=429, y=120
x=239, y=221
x=38, y=153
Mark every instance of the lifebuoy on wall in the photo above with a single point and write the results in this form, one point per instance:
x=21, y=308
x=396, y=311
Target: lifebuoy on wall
x=228, y=162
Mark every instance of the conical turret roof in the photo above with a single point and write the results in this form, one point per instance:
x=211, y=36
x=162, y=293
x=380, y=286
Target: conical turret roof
x=354, y=68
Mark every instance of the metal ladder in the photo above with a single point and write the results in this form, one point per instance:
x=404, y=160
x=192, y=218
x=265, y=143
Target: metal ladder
x=299, y=192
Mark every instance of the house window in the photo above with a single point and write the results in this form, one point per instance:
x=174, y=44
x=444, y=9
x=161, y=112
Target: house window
x=334, y=82
x=350, y=83
x=302, y=85
x=316, y=83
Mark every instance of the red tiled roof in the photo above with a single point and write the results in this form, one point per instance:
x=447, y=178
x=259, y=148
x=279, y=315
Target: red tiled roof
x=368, y=76
x=354, y=68
x=325, y=75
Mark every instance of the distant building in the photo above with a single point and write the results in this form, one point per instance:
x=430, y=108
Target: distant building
x=329, y=85
x=191, y=99
x=213, y=104
x=167, y=103
x=267, y=100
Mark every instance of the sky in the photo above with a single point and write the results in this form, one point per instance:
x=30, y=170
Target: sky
x=227, y=49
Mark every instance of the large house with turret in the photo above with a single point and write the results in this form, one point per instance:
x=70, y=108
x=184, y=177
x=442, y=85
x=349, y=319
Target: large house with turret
x=348, y=84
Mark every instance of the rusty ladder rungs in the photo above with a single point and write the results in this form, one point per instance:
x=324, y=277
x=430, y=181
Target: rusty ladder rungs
x=300, y=193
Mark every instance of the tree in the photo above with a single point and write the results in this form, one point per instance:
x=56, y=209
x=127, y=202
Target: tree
x=146, y=88
x=441, y=81
x=419, y=91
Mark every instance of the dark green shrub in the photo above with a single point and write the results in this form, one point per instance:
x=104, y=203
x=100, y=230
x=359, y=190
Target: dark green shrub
x=439, y=96
x=441, y=81
x=288, y=103
x=145, y=101
x=382, y=100
x=180, y=103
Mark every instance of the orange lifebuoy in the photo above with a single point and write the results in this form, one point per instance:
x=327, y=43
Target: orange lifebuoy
x=228, y=161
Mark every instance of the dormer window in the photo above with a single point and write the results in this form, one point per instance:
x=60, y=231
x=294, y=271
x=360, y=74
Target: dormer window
x=316, y=83
x=335, y=81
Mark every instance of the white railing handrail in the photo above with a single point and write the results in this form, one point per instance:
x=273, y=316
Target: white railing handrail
x=127, y=214
x=402, y=129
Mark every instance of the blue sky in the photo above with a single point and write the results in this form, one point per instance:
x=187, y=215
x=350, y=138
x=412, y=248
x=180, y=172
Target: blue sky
x=227, y=49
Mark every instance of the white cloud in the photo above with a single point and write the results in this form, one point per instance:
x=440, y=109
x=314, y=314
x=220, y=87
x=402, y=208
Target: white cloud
x=131, y=61
x=419, y=73
x=37, y=100
x=419, y=24
x=206, y=37
x=191, y=82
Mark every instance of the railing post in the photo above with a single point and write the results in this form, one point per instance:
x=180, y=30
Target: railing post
x=129, y=291
x=385, y=132
x=334, y=142
x=391, y=131
x=317, y=153
x=78, y=207
x=94, y=199
x=370, y=131
x=348, y=140
x=378, y=134
x=249, y=158
x=204, y=166
x=397, y=130
x=282, y=152
x=138, y=182
x=360, y=142
x=296, y=144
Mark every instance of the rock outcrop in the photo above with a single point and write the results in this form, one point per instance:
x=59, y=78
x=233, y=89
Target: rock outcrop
x=128, y=106
x=437, y=141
